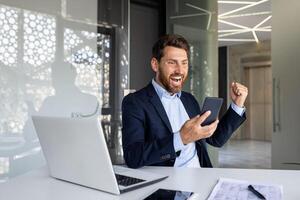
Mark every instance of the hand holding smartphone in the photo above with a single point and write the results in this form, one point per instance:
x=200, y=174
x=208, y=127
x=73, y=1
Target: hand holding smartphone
x=213, y=104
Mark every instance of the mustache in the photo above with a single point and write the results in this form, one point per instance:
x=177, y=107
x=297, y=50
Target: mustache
x=177, y=74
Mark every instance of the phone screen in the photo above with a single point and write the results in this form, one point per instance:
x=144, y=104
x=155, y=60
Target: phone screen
x=214, y=105
x=163, y=194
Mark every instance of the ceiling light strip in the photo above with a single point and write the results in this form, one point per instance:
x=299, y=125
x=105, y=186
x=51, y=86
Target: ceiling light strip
x=203, y=10
x=236, y=40
x=229, y=30
x=209, y=21
x=239, y=30
x=198, y=8
x=235, y=33
x=263, y=21
x=243, y=8
x=188, y=15
x=237, y=2
x=246, y=15
x=233, y=24
x=255, y=36
x=262, y=30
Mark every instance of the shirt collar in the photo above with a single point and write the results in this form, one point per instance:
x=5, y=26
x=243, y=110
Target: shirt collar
x=162, y=92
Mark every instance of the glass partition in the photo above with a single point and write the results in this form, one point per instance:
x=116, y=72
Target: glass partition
x=197, y=22
x=56, y=60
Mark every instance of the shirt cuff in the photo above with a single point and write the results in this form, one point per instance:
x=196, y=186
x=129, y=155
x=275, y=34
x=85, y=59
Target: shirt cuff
x=240, y=111
x=177, y=142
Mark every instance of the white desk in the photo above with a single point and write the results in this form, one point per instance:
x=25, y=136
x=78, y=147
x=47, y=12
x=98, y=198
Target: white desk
x=37, y=185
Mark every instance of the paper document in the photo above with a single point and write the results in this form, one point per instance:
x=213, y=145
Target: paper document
x=236, y=189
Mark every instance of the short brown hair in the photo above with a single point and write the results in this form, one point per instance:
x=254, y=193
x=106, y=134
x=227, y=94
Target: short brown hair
x=169, y=40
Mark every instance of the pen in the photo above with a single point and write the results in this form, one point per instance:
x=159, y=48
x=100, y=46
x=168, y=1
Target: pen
x=254, y=191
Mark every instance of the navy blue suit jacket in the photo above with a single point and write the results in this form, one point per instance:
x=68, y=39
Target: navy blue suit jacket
x=147, y=134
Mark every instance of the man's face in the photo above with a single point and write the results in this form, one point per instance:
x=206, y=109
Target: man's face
x=172, y=70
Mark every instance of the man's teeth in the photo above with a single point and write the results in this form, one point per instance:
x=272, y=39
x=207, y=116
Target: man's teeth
x=176, y=79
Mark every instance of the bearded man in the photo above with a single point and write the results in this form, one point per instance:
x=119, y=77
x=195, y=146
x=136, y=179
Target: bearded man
x=162, y=123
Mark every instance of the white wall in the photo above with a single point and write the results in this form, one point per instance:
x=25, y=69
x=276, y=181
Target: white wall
x=44, y=83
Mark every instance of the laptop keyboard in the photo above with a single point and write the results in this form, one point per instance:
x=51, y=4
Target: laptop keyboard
x=127, y=181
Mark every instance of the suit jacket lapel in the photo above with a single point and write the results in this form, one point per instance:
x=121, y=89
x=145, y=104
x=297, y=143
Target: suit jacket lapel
x=155, y=101
x=188, y=106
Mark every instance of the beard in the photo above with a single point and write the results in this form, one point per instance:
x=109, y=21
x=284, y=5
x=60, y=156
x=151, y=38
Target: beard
x=171, y=84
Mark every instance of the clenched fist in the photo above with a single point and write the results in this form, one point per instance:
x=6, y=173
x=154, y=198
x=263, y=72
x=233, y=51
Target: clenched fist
x=238, y=93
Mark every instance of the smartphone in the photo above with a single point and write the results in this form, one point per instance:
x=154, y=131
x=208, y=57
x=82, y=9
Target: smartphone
x=166, y=194
x=213, y=104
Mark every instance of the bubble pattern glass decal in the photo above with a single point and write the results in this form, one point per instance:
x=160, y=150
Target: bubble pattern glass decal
x=8, y=35
x=39, y=38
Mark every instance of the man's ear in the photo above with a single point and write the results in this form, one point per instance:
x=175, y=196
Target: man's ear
x=154, y=64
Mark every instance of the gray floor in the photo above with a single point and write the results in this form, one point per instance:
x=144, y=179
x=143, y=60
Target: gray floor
x=249, y=154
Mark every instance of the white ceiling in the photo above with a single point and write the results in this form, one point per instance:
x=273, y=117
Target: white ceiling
x=243, y=21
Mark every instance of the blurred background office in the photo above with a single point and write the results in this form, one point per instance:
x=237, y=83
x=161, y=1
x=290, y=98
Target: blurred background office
x=85, y=56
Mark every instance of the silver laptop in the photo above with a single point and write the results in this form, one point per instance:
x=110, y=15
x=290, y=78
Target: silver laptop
x=76, y=151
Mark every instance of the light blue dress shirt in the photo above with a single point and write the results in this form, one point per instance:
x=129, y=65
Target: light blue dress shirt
x=177, y=116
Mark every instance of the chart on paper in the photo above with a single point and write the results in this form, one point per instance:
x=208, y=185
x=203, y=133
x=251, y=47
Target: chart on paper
x=238, y=189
